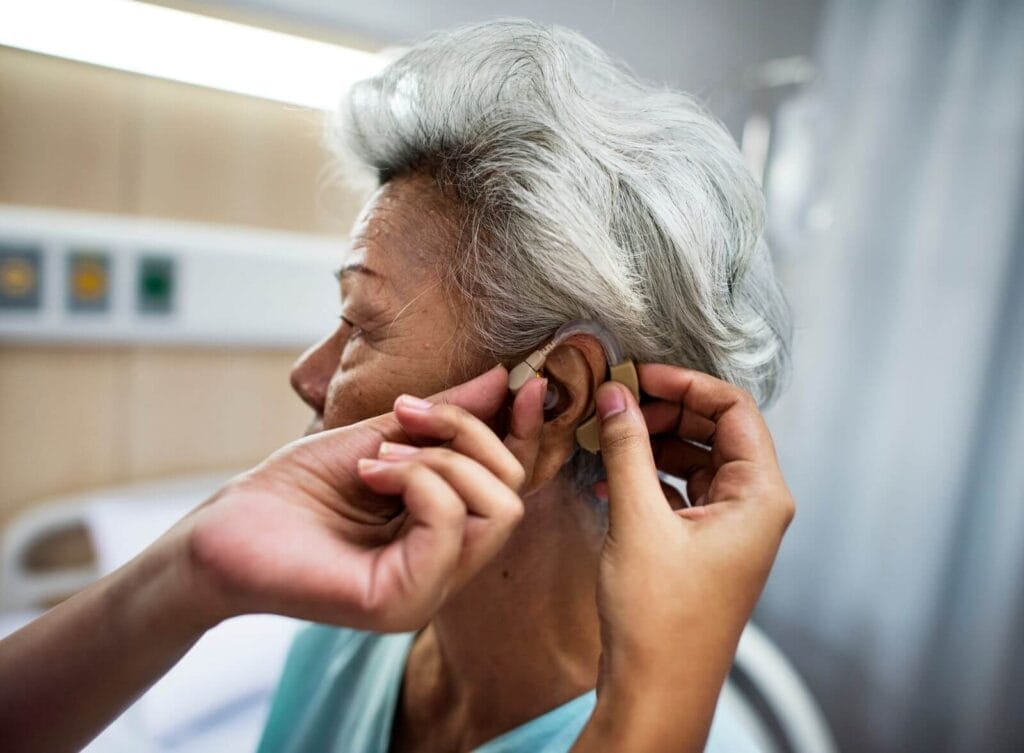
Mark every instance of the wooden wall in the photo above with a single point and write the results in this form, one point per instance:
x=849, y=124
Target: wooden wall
x=81, y=137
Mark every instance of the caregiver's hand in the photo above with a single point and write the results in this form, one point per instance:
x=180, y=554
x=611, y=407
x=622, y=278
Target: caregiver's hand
x=677, y=586
x=302, y=535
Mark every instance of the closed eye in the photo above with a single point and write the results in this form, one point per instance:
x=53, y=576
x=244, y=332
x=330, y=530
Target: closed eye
x=354, y=330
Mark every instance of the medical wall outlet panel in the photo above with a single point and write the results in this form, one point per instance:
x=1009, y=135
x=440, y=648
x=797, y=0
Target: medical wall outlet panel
x=77, y=277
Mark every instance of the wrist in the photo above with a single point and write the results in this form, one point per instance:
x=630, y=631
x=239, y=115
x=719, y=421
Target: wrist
x=163, y=590
x=643, y=718
x=653, y=706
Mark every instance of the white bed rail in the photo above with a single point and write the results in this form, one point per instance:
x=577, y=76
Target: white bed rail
x=24, y=588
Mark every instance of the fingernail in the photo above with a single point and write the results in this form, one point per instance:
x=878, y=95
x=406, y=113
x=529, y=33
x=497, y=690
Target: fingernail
x=396, y=450
x=369, y=465
x=610, y=402
x=414, y=403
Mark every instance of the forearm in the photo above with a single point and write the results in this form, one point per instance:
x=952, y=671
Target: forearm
x=656, y=709
x=68, y=674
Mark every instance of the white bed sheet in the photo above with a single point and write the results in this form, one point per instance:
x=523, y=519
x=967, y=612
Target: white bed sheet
x=217, y=697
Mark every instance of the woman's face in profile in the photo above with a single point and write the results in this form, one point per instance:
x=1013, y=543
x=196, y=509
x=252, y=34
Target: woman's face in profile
x=398, y=332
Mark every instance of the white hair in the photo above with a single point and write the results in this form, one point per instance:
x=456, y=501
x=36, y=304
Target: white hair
x=586, y=194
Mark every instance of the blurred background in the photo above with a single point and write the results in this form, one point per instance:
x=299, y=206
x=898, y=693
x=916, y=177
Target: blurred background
x=167, y=235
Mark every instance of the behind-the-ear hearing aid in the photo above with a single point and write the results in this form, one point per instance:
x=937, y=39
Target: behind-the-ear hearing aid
x=620, y=369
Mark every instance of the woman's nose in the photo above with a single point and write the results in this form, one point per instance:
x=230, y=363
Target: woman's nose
x=312, y=372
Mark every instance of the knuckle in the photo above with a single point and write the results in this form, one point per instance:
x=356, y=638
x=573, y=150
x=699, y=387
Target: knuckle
x=418, y=473
x=514, y=509
x=374, y=607
x=458, y=416
x=450, y=510
x=745, y=398
x=441, y=458
x=514, y=475
x=789, y=510
x=622, y=441
x=785, y=508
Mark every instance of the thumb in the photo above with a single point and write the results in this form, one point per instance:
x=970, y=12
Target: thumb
x=482, y=396
x=634, y=490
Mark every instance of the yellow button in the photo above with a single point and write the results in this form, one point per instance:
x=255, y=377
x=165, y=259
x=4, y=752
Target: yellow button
x=17, y=278
x=89, y=280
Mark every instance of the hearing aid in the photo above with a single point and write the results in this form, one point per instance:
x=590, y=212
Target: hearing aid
x=620, y=369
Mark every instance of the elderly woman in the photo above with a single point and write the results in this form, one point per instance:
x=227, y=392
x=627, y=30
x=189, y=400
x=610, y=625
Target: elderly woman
x=520, y=180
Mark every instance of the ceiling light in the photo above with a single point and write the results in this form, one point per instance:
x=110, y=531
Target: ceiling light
x=195, y=49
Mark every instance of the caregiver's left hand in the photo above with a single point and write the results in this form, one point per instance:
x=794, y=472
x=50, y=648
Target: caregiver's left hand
x=338, y=528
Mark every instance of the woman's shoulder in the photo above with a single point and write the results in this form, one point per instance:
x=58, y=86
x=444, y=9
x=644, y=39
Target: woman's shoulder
x=329, y=649
x=338, y=683
x=315, y=638
x=321, y=637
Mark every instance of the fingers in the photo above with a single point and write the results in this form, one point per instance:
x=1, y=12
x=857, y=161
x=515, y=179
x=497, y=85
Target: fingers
x=483, y=493
x=423, y=560
x=482, y=396
x=490, y=510
x=697, y=486
x=679, y=457
x=665, y=417
x=494, y=509
x=681, y=441
x=700, y=392
x=526, y=424
x=464, y=432
x=740, y=431
x=635, y=499
x=470, y=435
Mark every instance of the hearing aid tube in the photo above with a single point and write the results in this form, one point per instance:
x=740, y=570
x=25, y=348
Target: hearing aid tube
x=533, y=363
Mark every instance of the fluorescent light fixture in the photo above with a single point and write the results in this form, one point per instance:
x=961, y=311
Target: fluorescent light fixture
x=195, y=49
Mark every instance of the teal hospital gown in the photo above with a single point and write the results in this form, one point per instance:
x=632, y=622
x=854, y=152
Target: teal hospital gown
x=339, y=691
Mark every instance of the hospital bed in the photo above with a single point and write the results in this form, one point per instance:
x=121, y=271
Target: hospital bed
x=218, y=696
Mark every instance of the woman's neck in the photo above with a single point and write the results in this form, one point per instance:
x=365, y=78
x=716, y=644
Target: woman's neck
x=521, y=638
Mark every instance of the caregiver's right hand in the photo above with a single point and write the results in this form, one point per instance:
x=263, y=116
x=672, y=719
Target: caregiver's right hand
x=677, y=587
x=302, y=534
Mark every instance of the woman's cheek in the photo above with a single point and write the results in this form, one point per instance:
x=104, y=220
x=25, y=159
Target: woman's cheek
x=357, y=392
x=374, y=370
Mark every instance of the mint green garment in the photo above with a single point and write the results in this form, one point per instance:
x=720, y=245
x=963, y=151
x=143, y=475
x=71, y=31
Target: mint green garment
x=339, y=690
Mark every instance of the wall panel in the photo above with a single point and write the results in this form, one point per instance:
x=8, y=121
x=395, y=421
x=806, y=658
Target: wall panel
x=82, y=137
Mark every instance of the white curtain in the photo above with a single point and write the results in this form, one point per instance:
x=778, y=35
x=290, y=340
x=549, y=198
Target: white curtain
x=896, y=193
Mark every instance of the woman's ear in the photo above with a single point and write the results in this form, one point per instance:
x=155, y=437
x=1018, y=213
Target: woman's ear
x=574, y=370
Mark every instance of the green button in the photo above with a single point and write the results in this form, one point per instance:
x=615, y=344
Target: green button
x=155, y=288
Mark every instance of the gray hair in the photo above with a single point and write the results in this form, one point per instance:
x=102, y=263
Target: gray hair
x=586, y=194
